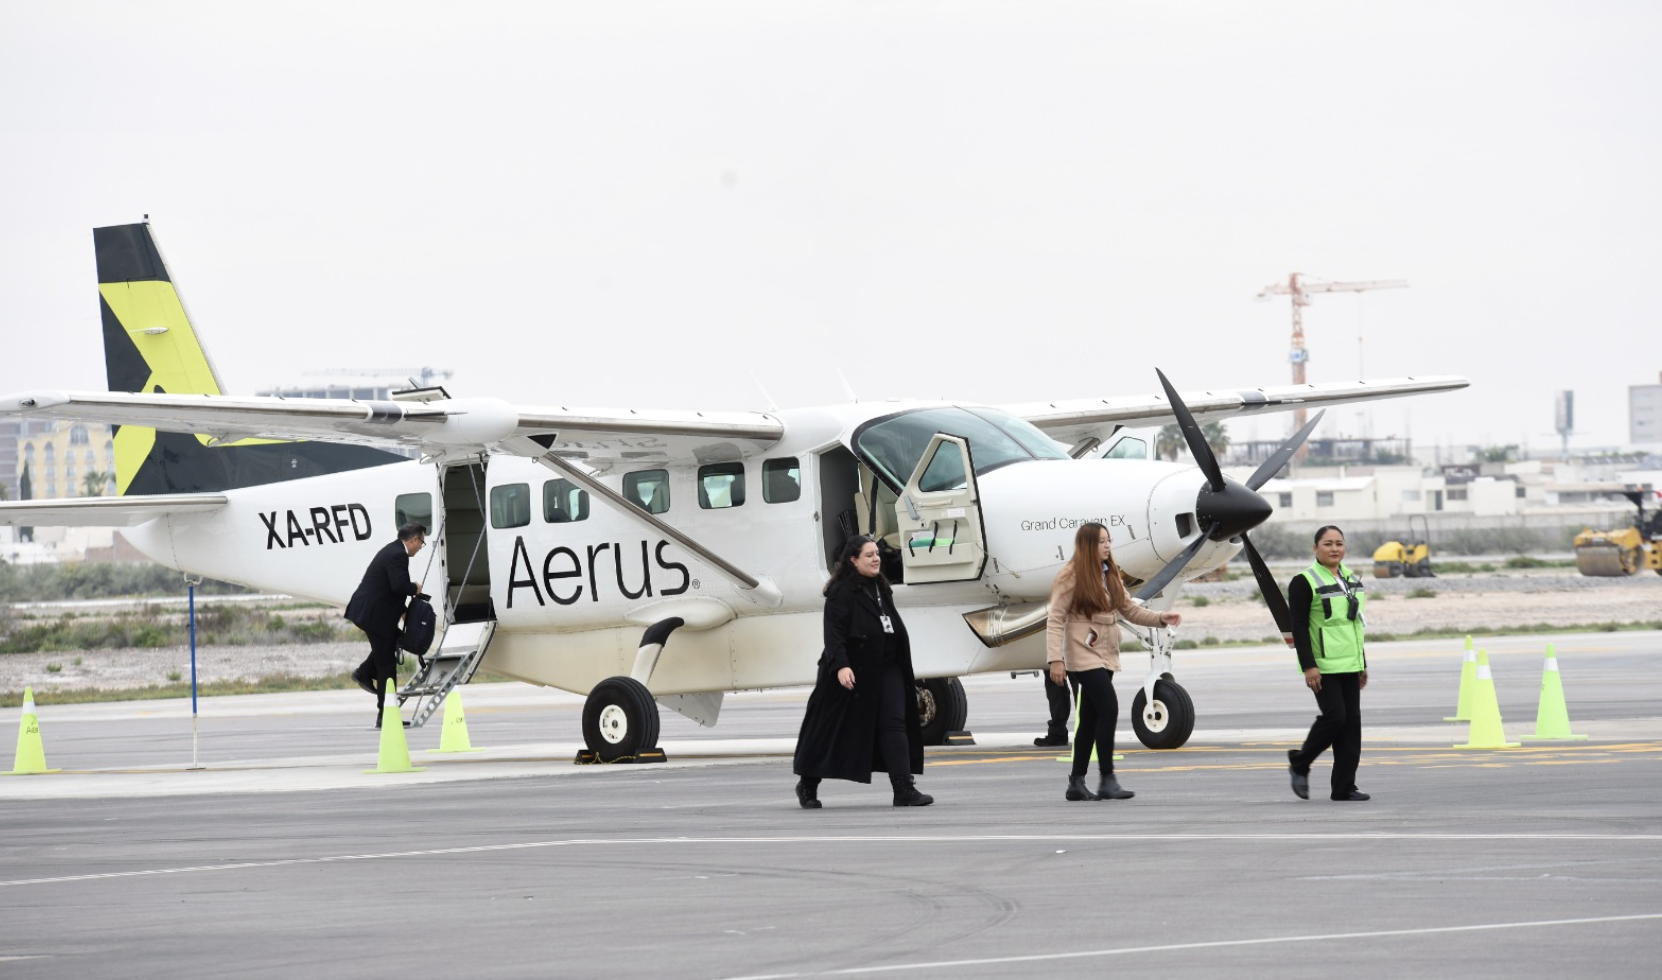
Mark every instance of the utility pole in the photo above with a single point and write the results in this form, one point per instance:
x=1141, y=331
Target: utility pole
x=1300, y=289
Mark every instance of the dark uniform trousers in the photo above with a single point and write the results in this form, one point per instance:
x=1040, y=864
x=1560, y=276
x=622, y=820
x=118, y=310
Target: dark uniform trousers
x=381, y=666
x=1339, y=726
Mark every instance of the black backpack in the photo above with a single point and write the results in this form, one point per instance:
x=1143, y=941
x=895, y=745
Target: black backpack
x=419, y=625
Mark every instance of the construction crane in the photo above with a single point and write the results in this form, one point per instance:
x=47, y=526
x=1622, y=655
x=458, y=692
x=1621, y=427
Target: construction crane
x=1300, y=289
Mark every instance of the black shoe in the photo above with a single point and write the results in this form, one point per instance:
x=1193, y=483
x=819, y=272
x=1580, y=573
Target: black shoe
x=1110, y=789
x=1046, y=741
x=1354, y=796
x=363, y=682
x=1077, y=790
x=808, y=796
x=1301, y=780
x=906, y=794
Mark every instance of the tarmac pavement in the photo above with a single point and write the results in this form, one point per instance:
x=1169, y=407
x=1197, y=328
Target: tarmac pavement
x=283, y=855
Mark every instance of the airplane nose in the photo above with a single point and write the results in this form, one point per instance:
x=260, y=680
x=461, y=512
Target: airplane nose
x=1235, y=509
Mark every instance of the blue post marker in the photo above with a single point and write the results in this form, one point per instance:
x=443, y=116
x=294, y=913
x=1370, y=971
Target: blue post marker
x=191, y=585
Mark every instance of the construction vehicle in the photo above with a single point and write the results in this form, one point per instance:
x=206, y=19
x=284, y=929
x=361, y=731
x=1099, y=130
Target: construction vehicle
x=1624, y=552
x=1393, y=559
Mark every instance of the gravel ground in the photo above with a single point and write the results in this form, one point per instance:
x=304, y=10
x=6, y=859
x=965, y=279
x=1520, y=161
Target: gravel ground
x=1468, y=603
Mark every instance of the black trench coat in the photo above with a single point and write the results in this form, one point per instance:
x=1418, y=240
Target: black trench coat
x=839, y=730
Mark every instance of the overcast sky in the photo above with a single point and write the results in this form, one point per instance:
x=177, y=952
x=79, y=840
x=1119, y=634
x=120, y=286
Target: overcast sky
x=644, y=204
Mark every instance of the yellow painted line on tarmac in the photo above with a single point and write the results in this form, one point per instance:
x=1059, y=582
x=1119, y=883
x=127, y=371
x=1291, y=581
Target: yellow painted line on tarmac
x=1429, y=757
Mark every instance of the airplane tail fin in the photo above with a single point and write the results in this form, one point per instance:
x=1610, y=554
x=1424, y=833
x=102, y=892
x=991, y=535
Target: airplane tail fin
x=151, y=346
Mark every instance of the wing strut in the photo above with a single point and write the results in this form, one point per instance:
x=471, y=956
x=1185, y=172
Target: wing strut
x=760, y=591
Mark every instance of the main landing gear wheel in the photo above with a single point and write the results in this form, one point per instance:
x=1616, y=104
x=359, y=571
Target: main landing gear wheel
x=620, y=719
x=942, y=707
x=1168, y=720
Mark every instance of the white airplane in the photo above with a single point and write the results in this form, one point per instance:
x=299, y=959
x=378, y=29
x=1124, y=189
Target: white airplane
x=649, y=556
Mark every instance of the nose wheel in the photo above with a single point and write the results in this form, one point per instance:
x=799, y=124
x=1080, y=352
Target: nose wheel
x=1165, y=721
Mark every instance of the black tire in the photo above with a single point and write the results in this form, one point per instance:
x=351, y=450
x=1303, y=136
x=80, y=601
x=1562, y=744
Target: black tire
x=1169, y=722
x=942, y=707
x=620, y=719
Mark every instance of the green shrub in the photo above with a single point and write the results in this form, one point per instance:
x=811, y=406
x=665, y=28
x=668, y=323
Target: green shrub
x=1202, y=601
x=1422, y=592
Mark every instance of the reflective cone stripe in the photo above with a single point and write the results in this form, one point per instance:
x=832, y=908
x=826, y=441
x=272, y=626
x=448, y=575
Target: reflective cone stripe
x=395, y=751
x=1552, y=717
x=454, y=736
x=31, y=753
x=1468, y=674
x=1486, y=731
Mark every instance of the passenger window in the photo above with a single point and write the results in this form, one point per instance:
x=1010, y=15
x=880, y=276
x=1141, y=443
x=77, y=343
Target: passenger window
x=781, y=480
x=1128, y=448
x=564, y=502
x=511, y=505
x=648, y=490
x=721, y=485
x=946, y=470
x=414, y=508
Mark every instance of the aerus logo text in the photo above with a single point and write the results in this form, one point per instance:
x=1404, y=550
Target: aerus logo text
x=564, y=570
x=319, y=525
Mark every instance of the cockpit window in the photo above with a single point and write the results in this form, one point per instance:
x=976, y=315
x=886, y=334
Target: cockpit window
x=895, y=445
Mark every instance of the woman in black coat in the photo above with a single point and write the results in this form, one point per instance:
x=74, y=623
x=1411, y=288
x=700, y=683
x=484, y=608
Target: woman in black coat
x=863, y=715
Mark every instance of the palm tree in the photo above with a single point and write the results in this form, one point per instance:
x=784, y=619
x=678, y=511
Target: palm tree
x=1169, y=442
x=93, y=483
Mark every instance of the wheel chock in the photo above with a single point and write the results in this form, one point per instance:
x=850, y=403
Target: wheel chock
x=589, y=757
x=959, y=738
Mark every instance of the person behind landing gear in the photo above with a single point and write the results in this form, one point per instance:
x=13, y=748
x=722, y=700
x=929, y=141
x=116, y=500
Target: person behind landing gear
x=862, y=715
x=377, y=608
x=1326, y=601
x=1060, y=699
x=1083, y=639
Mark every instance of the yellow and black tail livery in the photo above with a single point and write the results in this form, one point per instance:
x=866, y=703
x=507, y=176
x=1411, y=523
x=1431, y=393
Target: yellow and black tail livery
x=150, y=346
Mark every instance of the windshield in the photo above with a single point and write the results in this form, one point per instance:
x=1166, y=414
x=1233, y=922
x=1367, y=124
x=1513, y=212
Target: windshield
x=894, y=445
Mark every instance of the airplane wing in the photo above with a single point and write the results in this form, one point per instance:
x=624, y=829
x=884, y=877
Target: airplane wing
x=436, y=426
x=1069, y=422
x=103, y=511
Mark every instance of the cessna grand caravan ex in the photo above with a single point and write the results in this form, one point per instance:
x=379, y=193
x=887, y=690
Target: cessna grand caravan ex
x=660, y=556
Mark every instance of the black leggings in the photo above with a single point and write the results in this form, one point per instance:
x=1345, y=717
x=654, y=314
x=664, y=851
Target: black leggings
x=1099, y=710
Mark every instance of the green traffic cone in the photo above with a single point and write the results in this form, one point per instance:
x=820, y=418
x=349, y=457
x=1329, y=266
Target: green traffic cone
x=454, y=736
x=1486, y=731
x=1468, y=673
x=31, y=753
x=395, y=750
x=1552, y=718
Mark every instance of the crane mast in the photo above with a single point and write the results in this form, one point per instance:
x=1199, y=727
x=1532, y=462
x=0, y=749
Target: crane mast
x=1299, y=288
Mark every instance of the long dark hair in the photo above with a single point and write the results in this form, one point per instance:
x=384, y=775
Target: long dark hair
x=1094, y=590
x=843, y=570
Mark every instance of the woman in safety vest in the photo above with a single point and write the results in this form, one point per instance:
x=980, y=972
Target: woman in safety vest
x=1326, y=602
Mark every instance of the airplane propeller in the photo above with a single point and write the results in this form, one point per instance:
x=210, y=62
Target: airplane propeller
x=1226, y=509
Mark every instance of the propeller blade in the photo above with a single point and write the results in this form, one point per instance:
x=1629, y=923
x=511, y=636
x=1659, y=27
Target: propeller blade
x=1273, y=465
x=1198, y=448
x=1163, y=578
x=1271, y=590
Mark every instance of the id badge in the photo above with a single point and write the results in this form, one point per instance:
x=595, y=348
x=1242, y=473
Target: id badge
x=888, y=627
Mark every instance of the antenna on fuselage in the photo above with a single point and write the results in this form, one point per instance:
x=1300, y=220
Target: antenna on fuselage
x=848, y=389
x=773, y=406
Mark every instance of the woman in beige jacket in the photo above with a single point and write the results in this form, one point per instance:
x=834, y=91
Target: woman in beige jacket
x=1083, y=639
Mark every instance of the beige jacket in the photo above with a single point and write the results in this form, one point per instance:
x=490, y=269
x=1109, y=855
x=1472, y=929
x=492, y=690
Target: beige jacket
x=1068, y=639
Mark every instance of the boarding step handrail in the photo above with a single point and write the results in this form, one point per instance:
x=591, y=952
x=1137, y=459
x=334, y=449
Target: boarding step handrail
x=460, y=650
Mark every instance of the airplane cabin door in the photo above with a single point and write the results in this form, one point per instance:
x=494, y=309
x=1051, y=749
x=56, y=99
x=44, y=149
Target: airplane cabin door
x=939, y=513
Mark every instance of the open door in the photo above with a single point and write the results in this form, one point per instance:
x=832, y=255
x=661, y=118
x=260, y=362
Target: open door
x=939, y=514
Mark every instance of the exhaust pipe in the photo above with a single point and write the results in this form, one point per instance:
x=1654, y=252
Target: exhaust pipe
x=996, y=626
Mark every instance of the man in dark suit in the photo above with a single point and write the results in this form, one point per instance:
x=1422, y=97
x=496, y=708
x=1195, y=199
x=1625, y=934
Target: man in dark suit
x=377, y=608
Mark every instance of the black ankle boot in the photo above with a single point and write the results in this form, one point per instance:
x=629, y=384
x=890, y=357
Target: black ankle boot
x=906, y=794
x=1109, y=789
x=807, y=794
x=1077, y=790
